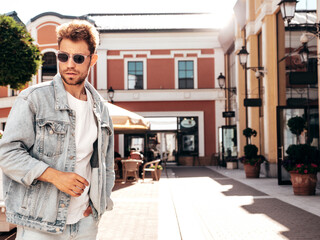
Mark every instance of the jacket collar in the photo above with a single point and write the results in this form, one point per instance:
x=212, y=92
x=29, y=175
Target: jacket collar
x=61, y=99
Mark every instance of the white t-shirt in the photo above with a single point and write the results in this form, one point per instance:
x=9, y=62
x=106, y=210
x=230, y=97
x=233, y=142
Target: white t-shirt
x=86, y=133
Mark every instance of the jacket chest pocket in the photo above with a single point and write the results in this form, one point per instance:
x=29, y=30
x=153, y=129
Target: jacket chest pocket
x=51, y=136
x=106, y=132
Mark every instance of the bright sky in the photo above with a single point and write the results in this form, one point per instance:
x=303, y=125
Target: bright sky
x=27, y=9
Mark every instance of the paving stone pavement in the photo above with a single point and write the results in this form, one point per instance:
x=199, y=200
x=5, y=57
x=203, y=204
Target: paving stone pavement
x=208, y=203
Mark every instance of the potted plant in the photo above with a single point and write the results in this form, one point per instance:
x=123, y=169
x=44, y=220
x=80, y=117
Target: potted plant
x=159, y=170
x=302, y=160
x=251, y=160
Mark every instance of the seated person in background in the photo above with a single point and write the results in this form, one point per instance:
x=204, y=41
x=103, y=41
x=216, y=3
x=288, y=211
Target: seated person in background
x=134, y=154
x=117, y=158
x=116, y=155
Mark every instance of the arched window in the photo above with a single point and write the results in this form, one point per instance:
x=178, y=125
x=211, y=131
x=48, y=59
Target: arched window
x=49, y=66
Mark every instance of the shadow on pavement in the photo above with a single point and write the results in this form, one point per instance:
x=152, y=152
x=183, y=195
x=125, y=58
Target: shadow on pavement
x=301, y=224
x=238, y=188
x=121, y=185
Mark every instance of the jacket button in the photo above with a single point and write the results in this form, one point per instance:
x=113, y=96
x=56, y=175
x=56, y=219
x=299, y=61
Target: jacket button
x=51, y=132
x=71, y=157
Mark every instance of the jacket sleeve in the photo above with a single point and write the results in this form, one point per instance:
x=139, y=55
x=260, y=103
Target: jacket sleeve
x=17, y=140
x=110, y=175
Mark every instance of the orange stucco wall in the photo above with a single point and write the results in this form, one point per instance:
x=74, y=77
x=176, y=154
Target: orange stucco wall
x=3, y=92
x=4, y=112
x=47, y=34
x=115, y=74
x=208, y=107
x=116, y=142
x=160, y=52
x=205, y=73
x=160, y=73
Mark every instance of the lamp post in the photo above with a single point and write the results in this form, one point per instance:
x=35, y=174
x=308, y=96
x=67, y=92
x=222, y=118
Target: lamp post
x=288, y=9
x=233, y=91
x=259, y=71
x=111, y=94
x=222, y=83
x=304, y=53
x=243, y=58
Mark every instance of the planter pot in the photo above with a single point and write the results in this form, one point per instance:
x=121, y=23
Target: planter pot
x=303, y=184
x=158, y=174
x=252, y=171
x=232, y=165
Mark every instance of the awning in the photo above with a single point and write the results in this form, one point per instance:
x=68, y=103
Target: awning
x=125, y=121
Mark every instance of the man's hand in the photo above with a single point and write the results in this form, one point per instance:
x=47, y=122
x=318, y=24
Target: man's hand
x=67, y=182
x=88, y=211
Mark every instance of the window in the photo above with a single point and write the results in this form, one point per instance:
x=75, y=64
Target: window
x=135, y=75
x=186, y=74
x=49, y=66
x=3, y=125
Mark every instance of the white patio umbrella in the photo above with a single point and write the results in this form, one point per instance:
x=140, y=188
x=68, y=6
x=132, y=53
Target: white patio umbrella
x=125, y=121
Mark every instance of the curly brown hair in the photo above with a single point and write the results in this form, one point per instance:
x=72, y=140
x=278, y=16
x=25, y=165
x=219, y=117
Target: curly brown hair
x=78, y=30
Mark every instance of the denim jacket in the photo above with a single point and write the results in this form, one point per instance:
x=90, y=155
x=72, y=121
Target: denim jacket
x=40, y=133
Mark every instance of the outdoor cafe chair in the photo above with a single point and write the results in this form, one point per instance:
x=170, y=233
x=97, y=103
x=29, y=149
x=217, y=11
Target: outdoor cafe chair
x=131, y=167
x=151, y=167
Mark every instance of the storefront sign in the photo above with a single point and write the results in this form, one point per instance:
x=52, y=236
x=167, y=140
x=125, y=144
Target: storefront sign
x=188, y=123
x=252, y=102
x=228, y=114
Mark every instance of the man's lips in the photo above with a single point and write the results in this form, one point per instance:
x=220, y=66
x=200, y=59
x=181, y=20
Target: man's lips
x=71, y=73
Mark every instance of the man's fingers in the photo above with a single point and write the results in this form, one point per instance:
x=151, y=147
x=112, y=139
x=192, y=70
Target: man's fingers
x=79, y=184
x=77, y=190
x=87, y=212
x=82, y=180
x=73, y=194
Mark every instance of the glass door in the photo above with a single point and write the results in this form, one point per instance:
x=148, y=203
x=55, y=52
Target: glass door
x=162, y=145
x=286, y=138
x=227, y=144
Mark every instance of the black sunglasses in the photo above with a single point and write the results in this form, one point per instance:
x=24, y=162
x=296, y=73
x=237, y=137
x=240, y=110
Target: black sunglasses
x=77, y=58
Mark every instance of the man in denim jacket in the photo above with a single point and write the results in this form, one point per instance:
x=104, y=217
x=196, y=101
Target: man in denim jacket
x=57, y=149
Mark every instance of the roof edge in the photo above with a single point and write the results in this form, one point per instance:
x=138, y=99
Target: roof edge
x=151, y=13
x=84, y=17
x=158, y=30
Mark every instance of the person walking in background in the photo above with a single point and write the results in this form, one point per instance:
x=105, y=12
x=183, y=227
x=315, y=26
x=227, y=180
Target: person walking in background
x=57, y=152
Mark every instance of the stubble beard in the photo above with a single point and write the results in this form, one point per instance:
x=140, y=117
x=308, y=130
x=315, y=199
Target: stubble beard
x=72, y=81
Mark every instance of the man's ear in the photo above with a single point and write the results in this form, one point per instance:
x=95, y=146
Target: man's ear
x=94, y=59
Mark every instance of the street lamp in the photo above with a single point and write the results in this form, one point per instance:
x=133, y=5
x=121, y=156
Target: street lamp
x=111, y=94
x=222, y=83
x=304, y=53
x=243, y=58
x=288, y=9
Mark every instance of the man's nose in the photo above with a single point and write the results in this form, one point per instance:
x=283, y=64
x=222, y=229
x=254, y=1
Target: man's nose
x=70, y=62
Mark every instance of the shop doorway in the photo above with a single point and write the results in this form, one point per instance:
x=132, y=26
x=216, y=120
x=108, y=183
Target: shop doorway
x=136, y=142
x=286, y=138
x=162, y=145
x=153, y=145
x=228, y=150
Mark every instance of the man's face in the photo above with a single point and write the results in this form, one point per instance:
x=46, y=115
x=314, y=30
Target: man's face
x=72, y=73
